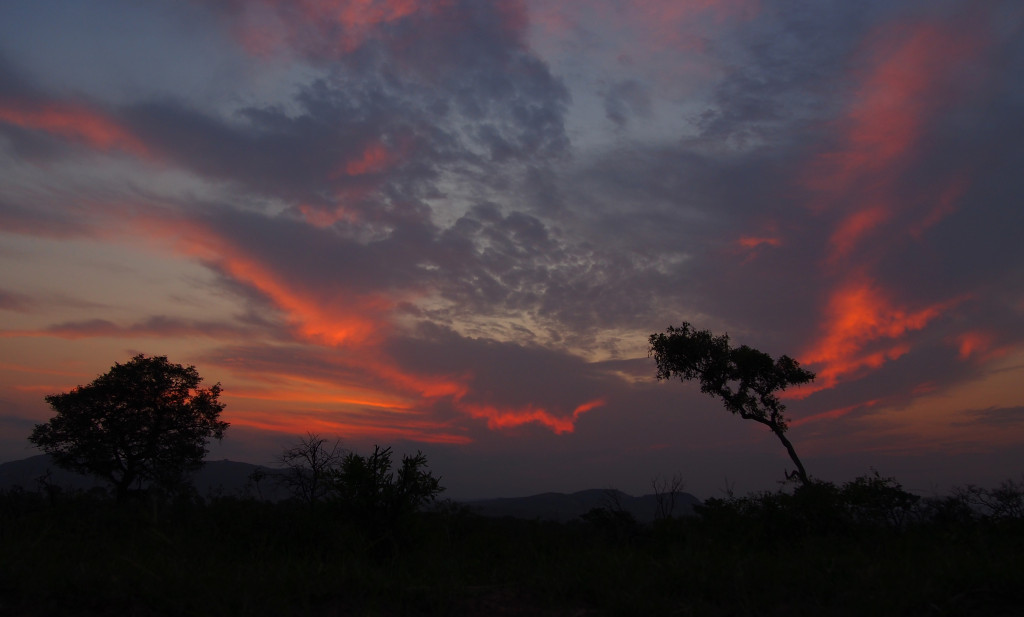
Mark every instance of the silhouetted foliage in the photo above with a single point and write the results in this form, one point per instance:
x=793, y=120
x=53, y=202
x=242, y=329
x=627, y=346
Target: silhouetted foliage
x=613, y=523
x=1005, y=502
x=867, y=502
x=309, y=466
x=745, y=379
x=666, y=494
x=874, y=500
x=143, y=423
x=372, y=493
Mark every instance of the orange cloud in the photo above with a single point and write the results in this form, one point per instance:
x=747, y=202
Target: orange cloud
x=324, y=424
x=354, y=322
x=426, y=386
x=862, y=329
x=499, y=418
x=320, y=394
x=348, y=319
x=74, y=123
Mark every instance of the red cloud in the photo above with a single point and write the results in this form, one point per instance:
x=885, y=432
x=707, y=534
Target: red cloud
x=499, y=418
x=980, y=345
x=375, y=158
x=752, y=242
x=905, y=80
x=905, y=75
x=862, y=329
x=854, y=227
x=75, y=123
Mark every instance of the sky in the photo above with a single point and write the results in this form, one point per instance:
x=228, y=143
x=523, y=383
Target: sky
x=451, y=226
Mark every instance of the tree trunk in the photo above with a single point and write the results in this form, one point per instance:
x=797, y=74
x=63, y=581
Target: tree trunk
x=800, y=473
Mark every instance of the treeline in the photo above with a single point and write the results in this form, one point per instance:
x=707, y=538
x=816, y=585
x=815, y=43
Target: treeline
x=863, y=547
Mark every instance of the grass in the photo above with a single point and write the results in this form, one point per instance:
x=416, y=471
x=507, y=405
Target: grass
x=82, y=556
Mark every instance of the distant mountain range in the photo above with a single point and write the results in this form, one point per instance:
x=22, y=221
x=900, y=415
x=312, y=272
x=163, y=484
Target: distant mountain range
x=226, y=477
x=222, y=477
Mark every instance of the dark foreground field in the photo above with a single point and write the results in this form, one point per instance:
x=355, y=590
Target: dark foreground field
x=76, y=555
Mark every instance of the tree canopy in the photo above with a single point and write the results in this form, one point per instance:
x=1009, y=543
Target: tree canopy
x=745, y=379
x=145, y=422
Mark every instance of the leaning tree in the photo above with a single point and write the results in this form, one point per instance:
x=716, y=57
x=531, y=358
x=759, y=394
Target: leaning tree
x=144, y=422
x=745, y=379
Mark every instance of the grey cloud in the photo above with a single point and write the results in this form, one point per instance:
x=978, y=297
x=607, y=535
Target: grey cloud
x=156, y=326
x=41, y=221
x=626, y=99
x=508, y=374
x=14, y=301
x=785, y=68
x=995, y=416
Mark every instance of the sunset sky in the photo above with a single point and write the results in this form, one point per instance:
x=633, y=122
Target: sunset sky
x=451, y=225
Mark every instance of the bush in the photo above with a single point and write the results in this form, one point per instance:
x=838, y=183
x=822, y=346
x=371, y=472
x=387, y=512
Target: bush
x=371, y=494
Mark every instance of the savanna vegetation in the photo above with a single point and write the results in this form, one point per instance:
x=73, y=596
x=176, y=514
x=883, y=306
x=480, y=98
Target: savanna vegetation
x=863, y=548
x=366, y=535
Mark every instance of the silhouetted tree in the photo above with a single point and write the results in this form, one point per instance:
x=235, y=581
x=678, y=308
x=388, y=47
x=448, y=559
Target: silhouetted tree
x=146, y=421
x=369, y=490
x=666, y=493
x=745, y=379
x=310, y=464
